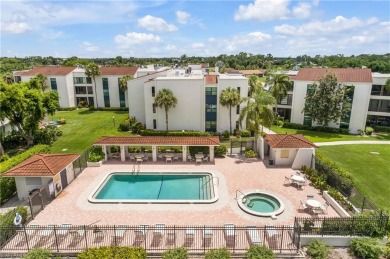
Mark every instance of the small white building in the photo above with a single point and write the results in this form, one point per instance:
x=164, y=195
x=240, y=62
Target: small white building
x=289, y=150
x=53, y=169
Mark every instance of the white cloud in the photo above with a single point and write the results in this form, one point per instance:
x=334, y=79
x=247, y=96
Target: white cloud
x=273, y=10
x=15, y=27
x=134, y=38
x=182, y=17
x=211, y=39
x=53, y=35
x=197, y=45
x=152, y=23
x=90, y=47
x=258, y=36
x=170, y=47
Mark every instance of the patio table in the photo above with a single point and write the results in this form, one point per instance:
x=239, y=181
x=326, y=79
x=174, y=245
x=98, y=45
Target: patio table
x=313, y=203
x=298, y=178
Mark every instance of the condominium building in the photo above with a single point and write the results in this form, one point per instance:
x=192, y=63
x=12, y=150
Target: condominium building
x=368, y=96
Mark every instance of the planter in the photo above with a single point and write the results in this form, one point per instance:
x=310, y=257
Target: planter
x=94, y=164
x=335, y=205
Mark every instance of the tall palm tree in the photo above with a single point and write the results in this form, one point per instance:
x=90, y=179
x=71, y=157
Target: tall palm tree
x=123, y=82
x=253, y=84
x=165, y=99
x=258, y=112
x=92, y=70
x=229, y=98
x=42, y=80
x=280, y=83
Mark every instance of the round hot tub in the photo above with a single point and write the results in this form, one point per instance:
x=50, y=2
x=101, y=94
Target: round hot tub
x=261, y=204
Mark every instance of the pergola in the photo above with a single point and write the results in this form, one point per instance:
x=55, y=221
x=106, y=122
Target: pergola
x=155, y=142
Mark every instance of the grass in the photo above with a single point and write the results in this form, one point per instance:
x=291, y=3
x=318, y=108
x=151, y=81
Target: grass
x=84, y=127
x=315, y=136
x=371, y=171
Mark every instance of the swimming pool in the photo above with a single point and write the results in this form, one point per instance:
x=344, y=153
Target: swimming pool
x=261, y=204
x=167, y=187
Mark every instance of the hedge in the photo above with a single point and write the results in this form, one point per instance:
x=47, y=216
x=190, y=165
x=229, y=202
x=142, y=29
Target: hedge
x=346, y=176
x=289, y=125
x=113, y=252
x=108, y=109
x=382, y=129
x=7, y=184
x=67, y=108
x=149, y=132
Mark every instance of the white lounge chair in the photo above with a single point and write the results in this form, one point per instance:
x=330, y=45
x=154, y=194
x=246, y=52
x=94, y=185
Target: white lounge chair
x=158, y=234
x=189, y=237
x=253, y=235
x=120, y=231
x=63, y=230
x=230, y=235
x=140, y=234
x=207, y=237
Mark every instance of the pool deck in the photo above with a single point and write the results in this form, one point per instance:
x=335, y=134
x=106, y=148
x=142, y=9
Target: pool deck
x=72, y=205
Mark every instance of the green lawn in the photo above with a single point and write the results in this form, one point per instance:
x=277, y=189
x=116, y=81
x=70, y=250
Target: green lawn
x=315, y=136
x=371, y=171
x=84, y=127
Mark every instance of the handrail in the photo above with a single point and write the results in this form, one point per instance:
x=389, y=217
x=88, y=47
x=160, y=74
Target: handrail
x=210, y=180
x=238, y=191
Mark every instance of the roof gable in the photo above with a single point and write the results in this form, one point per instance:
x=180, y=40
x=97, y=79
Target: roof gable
x=288, y=141
x=342, y=74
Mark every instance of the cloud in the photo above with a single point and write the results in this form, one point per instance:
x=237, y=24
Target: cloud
x=53, y=35
x=182, y=17
x=134, y=38
x=152, y=23
x=338, y=24
x=197, y=45
x=211, y=39
x=170, y=47
x=261, y=10
x=89, y=46
x=15, y=27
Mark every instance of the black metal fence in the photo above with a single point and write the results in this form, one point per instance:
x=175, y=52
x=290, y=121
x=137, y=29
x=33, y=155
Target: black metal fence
x=352, y=195
x=354, y=226
x=154, y=239
x=239, y=146
x=81, y=163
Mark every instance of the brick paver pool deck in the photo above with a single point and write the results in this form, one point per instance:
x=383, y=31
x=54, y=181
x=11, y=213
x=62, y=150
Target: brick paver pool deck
x=72, y=205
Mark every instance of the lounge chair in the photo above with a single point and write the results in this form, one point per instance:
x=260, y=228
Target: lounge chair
x=189, y=237
x=140, y=234
x=230, y=235
x=253, y=235
x=171, y=238
x=45, y=235
x=158, y=234
x=324, y=208
x=207, y=237
x=120, y=232
x=272, y=236
x=63, y=230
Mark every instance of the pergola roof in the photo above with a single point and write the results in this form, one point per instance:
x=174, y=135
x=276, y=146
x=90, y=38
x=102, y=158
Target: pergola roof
x=159, y=141
x=288, y=141
x=42, y=165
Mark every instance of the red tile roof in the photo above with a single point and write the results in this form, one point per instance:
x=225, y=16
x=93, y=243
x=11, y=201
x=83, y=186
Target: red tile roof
x=204, y=65
x=119, y=71
x=160, y=141
x=42, y=165
x=47, y=71
x=288, y=141
x=211, y=79
x=253, y=72
x=343, y=74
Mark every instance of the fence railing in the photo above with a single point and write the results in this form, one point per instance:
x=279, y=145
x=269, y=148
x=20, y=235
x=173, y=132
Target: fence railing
x=352, y=195
x=238, y=146
x=154, y=239
x=354, y=226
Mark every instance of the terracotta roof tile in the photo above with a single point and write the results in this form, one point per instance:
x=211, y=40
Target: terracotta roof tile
x=288, y=141
x=211, y=79
x=42, y=165
x=47, y=71
x=118, y=71
x=343, y=74
x=161, y=141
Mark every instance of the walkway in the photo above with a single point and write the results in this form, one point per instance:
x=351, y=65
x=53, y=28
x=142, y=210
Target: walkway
x=352, y=142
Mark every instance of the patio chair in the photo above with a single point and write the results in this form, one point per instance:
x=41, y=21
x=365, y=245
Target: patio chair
x=303, y=205
x=253, y=235
x=171, y=238
x=158, y=234
x=132, y=157
x=63, y=230
x=230, y=235
x=287, y=181
x=160, y=157
x=175, y=158
x=198, y=160
x=207, y=237
x=120, y=232
x=310, y=197
x=145, y=158
x=189, y=237
x=205, y=159
x=189, y=158
x=324, y=208
x=140, y=234
x=31, y=229
x=168, y=159
x=298, y=173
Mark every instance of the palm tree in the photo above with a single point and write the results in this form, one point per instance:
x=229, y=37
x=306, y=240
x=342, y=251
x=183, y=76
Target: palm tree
x=123, y=82
x=230, y=97
x=8, y=78
x=253, y=84
x=258, y=111
x=165, y=99
x=42, y=81
x=92, y=70
x=280, y=83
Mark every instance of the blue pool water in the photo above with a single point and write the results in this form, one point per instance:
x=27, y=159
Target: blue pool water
x=121, y=186
x=261, y=203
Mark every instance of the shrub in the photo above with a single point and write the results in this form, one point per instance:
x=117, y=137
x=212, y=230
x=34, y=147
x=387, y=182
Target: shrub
x=176, y=253
x=386, y=251
x=47, y=135
x=4, y=157
x=318, y=250
x=366, y=248
x=38, y=253
x=251, y=154
x=124, y=126
x=117, y=252
x=12, y=139
x=91, y=108
x=61, y=121
x=369, y=130
x=237, y=132
x=95, y=154
x=226, y=134
x=67, y=108
x=245, y=133
x=220, y=150
x=137, y=128
x=259, y=252
x=382, y=129
x=187, y=133
x=289, y=125
x=221, y=253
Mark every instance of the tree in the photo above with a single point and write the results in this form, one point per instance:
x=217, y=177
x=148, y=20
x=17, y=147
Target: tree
x=165, y=99
x=123, y=82
x=42, y=81
x=253, y=84
x=328, y=101
x=92, y=70
x=25, y=106
x=258, y=112
x=280, y=83
x=229, y=98
x=387, y=85
x=8, y=78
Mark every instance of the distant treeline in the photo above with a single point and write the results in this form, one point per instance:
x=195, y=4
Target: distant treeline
x=243, y=60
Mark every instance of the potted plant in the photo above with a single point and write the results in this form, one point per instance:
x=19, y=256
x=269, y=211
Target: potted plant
x=95, y=157
x=251, y=155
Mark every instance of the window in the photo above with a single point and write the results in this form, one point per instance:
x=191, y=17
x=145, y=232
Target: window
x=154, y=124
x=89, y=80
x=17, y=79
x=238, y=109
x=153, y=91
x=211, y=126
x=284, y=153
x=91, y=101
x=79, y=80
x=239, y=90
x=307, y=120
x=106, y=93
x=53, y=84
x=211, y=108
x=310, y=89
x=33, y=181
x=90, y=89
x=237, y=125
x=154, y=108
x=211, y=91
x=81, y=90
x=376, y=90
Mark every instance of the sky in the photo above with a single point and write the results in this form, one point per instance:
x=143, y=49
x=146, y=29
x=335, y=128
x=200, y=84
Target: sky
x=168, y=28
